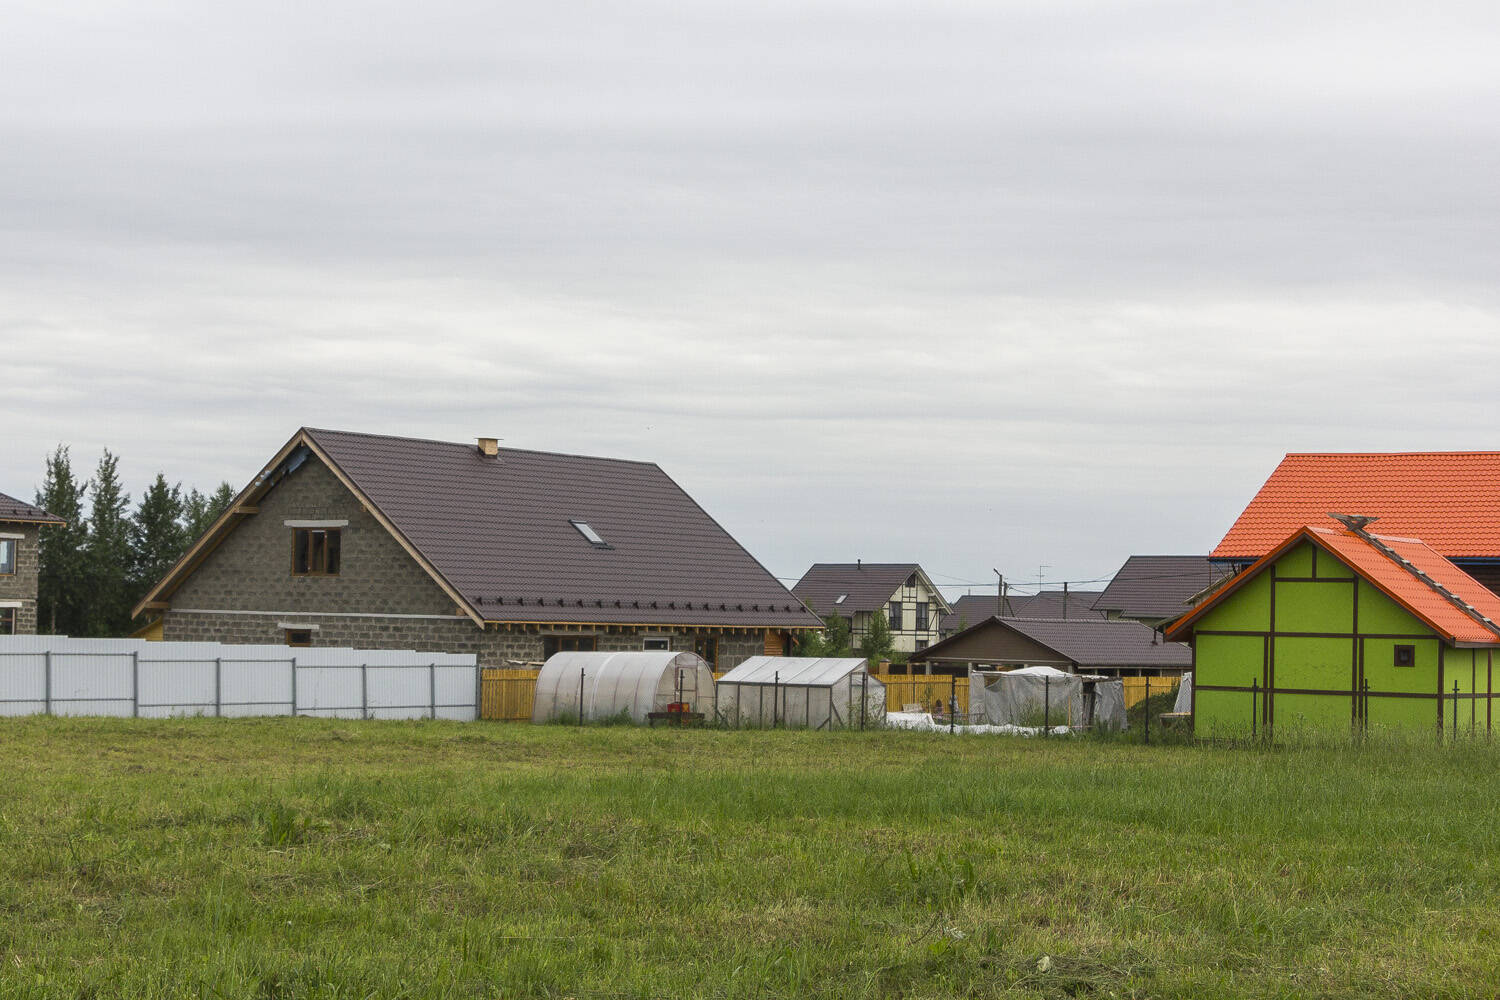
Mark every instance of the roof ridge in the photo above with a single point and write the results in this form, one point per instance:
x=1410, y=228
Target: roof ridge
x=1378, y=544
x=467, y=445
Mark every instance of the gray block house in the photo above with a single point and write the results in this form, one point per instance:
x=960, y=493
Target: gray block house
x=21, y=527
x=348, y=539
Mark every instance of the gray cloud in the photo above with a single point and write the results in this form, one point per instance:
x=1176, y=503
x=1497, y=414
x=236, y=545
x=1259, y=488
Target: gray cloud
x=984, y=284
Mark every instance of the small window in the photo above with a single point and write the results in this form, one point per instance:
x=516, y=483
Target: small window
x=7, y=621
x=921, y=644
x=299, y=637
x=922, y=610
x=587, y=531
x=707, y=647
x=895, y=613
x=1406, y=656
x=840, y=599
x=316, y=551
x=7, y=556
x=656, y=642
x=552, y=644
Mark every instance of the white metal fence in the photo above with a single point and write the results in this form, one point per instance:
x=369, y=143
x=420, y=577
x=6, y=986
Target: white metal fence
x=57, y=675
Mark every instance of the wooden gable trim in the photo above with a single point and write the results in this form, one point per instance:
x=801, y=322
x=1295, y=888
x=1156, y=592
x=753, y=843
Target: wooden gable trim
x=156, y=598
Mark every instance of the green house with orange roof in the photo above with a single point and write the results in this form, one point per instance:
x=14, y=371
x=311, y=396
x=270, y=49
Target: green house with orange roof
x=1339, y=628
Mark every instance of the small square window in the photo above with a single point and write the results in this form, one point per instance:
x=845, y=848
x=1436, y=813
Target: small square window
x=1406, y=656
x=316, y=551
x=299, y=637
x=7, y=557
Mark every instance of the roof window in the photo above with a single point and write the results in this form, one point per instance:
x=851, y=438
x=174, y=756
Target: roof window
x=594, y=538
x=840, y=599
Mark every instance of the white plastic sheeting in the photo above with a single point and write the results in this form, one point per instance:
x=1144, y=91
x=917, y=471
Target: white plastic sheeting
x=1184, y=702
x=801, y=692
x=1034, y=696
x=923, y=722
x=603, y=685
x=59, y=675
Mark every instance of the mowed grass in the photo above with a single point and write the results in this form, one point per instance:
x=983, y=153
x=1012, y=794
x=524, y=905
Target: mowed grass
x=310, y=858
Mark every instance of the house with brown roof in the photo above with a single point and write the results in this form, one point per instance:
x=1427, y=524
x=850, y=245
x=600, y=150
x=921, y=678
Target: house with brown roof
x=902, y=592
x=1157, y=589
x=367, y=540
x=1338, y=627
x=971, y=609
x=1449, y=499
x=1092, y=645
x=21, y=527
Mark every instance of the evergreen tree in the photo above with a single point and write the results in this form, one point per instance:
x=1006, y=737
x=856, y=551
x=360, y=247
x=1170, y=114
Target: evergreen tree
x=157, y=536
x=878, y=644
x=200, y=511
x=60, y=590
x=107, y=553
x=836, y=636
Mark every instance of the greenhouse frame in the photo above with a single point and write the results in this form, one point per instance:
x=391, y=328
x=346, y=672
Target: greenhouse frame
x=801, y=692
x=593, y=686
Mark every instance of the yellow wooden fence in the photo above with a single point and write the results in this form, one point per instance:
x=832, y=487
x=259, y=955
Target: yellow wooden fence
x=506, y=695
x=1136, y=687
x=925, y=690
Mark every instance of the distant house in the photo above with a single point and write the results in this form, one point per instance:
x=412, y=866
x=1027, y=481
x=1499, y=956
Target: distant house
x=1091, y=645
x=974, y=608
x=1449, y=499
x=21, y=527
x=1338, y=626
x=900, y=591
x=1157, y=589
x=366, y=540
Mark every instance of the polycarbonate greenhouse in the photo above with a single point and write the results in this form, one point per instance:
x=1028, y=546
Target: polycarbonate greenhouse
x=605, y=685
x=801, y=692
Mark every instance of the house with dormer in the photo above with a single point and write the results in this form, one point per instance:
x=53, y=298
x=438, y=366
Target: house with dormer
x=380, y=542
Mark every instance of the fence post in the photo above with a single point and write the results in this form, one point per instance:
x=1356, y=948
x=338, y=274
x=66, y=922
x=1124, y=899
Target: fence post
x=581, y=672
x=1146, y=711
x=1254, y=708
x=135, y=684
x=952, y=704
x=1455, y=710
x=364, y=690
x=864, y=696
x=1046, y=705
x=432, y=689
x=47, y=682
x=218, y=686
x=293, y=662
x=775, y=698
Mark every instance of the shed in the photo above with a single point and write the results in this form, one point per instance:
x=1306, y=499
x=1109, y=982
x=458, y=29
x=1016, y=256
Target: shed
x=802, y=692
x=604, y=685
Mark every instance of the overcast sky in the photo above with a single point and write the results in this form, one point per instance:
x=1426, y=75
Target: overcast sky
x=973, y=284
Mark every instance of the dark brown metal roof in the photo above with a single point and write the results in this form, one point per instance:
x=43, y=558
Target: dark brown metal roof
x=972, y=608
x=1086, y=642
x=1158, y=586
x=865, y=586
x=12, y=509
x=498, y=530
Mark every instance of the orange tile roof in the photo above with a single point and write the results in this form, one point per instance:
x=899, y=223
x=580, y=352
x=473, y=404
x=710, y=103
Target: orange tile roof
x=1396, y=580
x=1449, y=499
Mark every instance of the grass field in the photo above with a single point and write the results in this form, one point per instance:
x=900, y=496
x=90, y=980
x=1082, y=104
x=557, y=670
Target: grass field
x=305, y=858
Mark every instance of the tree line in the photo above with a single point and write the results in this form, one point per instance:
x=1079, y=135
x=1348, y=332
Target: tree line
x=96, y=567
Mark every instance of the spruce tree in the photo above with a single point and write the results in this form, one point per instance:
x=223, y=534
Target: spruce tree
x=200, y=511
x=107, y=553
x=61, y=592
x=877, y=644
x=157, y=536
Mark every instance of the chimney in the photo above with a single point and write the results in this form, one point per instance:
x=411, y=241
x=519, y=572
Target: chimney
x=489, y=447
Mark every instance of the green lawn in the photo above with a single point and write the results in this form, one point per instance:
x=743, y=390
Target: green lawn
x=306, y=858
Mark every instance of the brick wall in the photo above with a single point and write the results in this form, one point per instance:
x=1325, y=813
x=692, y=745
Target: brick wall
x=22, y=585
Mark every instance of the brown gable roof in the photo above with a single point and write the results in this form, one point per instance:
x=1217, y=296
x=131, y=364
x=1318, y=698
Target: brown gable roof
x=865, y=586
x=12, y=509
x=1158, y=586
x=499, y=531
x=1085, y=642
x=973, y=608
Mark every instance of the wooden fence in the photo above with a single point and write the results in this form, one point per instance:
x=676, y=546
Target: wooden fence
x=925, y=690
x=506, y=695
x=1136, y=687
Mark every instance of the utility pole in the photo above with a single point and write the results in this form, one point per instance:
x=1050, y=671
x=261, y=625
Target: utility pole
x=1065, y=598
x=999, y=593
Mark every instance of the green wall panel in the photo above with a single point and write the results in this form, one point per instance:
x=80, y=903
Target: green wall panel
x=1231, y=660
x=1303, y=713
x=1314, y=607
x=1247, y=608
x=1222, y=714
x=1380, y=614
x=1314, y=663
x=1382, y=674
x=1297, y=562
x=1402, y=713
